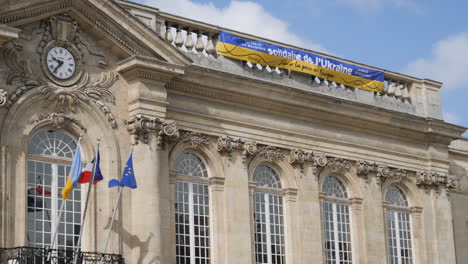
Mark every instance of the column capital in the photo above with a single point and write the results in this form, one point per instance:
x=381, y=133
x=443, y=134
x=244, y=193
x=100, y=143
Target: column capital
x=141, y=127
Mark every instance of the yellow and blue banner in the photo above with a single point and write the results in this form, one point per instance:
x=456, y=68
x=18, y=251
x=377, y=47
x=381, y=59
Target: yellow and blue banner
x=75, y=172
x=302, y=61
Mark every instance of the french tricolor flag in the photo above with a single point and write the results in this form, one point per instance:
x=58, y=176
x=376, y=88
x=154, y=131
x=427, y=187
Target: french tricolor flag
x=87, y=172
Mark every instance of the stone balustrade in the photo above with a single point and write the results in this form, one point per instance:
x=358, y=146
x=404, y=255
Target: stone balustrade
x=191, y=37
x=402, y=93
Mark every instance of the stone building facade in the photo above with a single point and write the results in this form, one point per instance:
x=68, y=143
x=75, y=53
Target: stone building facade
x=235, y=162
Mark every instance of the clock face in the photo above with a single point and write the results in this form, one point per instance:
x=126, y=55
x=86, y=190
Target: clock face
x=61, y=63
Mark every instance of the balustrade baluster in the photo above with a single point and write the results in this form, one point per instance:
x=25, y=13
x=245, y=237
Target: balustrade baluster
x=199, y=46
x=169, y=37
x=179, y=40
x=210, y=48
x=189, y=43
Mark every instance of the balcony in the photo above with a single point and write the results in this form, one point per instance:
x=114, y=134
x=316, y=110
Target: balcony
x=31, y=255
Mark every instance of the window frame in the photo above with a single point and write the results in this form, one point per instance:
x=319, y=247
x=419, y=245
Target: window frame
x=335, y=202
x=55, y=162
x=387, y=207
x=191, y=181
x=268, y=193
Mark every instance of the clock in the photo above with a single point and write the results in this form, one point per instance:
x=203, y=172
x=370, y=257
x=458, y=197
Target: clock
x=62, y=62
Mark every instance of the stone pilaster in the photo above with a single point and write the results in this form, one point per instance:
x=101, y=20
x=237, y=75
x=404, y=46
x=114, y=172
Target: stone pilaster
x=418, y=243
x=218, y=207
x=152, y=227
x=358, y=225
x=150, y=203
x=291, y=213
x=147, y=78
x=239, y=234
x=309, y=217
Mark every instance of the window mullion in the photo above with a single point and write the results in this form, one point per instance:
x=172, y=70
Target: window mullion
x=191, y=224
x=54, y=203
x=268, y=228
x=335, y=233
x=397, y=234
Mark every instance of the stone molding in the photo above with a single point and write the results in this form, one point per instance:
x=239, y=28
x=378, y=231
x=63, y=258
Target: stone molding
x=58, y=120
x=298, y=157
x=432, y=179
x=140, y=127
x=195, y=140
x=111, y=29
x=138, y=68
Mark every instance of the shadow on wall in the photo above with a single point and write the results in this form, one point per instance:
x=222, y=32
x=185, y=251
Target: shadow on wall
x=133, y=241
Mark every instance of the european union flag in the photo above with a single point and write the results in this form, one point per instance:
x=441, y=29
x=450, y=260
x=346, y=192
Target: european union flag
x=128, y=176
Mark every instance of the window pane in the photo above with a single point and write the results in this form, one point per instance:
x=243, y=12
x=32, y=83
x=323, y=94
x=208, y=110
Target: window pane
x=268, y=228
x=45, y=181
x=337, y=233
x=192, y=223
x=188, y=164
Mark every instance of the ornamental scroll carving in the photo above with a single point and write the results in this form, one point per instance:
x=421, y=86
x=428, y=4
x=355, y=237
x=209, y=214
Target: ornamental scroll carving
x=58, y=120
x=383, y=171
x=227, y=145
x=195, y=140
x=140, y=127
x=431, y=179
x=30, y=73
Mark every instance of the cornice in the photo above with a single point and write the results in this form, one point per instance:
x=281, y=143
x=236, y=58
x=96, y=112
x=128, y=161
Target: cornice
x=138, y=68
x=304, y=104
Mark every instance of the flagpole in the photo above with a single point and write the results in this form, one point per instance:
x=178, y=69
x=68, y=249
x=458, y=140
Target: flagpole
x=54, y=237
x=78, y=244
x=111, y=224
x=113, y=217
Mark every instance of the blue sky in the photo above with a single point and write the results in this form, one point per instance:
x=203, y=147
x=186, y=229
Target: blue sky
x=427, y=39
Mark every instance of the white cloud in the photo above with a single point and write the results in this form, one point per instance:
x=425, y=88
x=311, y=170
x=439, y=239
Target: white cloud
x=365, y=5
x=247, y=17
x=451, y=117
x=448, y=62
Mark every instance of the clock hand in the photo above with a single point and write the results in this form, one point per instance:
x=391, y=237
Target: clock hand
x=60, y=63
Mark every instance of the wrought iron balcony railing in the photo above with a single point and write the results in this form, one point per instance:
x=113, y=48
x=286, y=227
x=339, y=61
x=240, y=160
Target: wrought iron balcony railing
x=31, y=255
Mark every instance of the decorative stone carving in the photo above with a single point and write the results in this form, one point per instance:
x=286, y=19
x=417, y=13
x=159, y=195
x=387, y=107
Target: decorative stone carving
x=228, y=144
x=430, y=178
x=3, y=97
x=140, y=126
x=338, y=165
x=395, y=174
x=31, y=74
x=250, y=148
x=58, y=120
x=299, y=156
x=363, y=168
x=270, y=153
x=195, y=139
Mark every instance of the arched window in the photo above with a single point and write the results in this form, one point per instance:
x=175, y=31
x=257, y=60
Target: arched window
x=397, y=221
x=268, y=217
x=50, y=156
x=192, y=210
x=336, y=222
